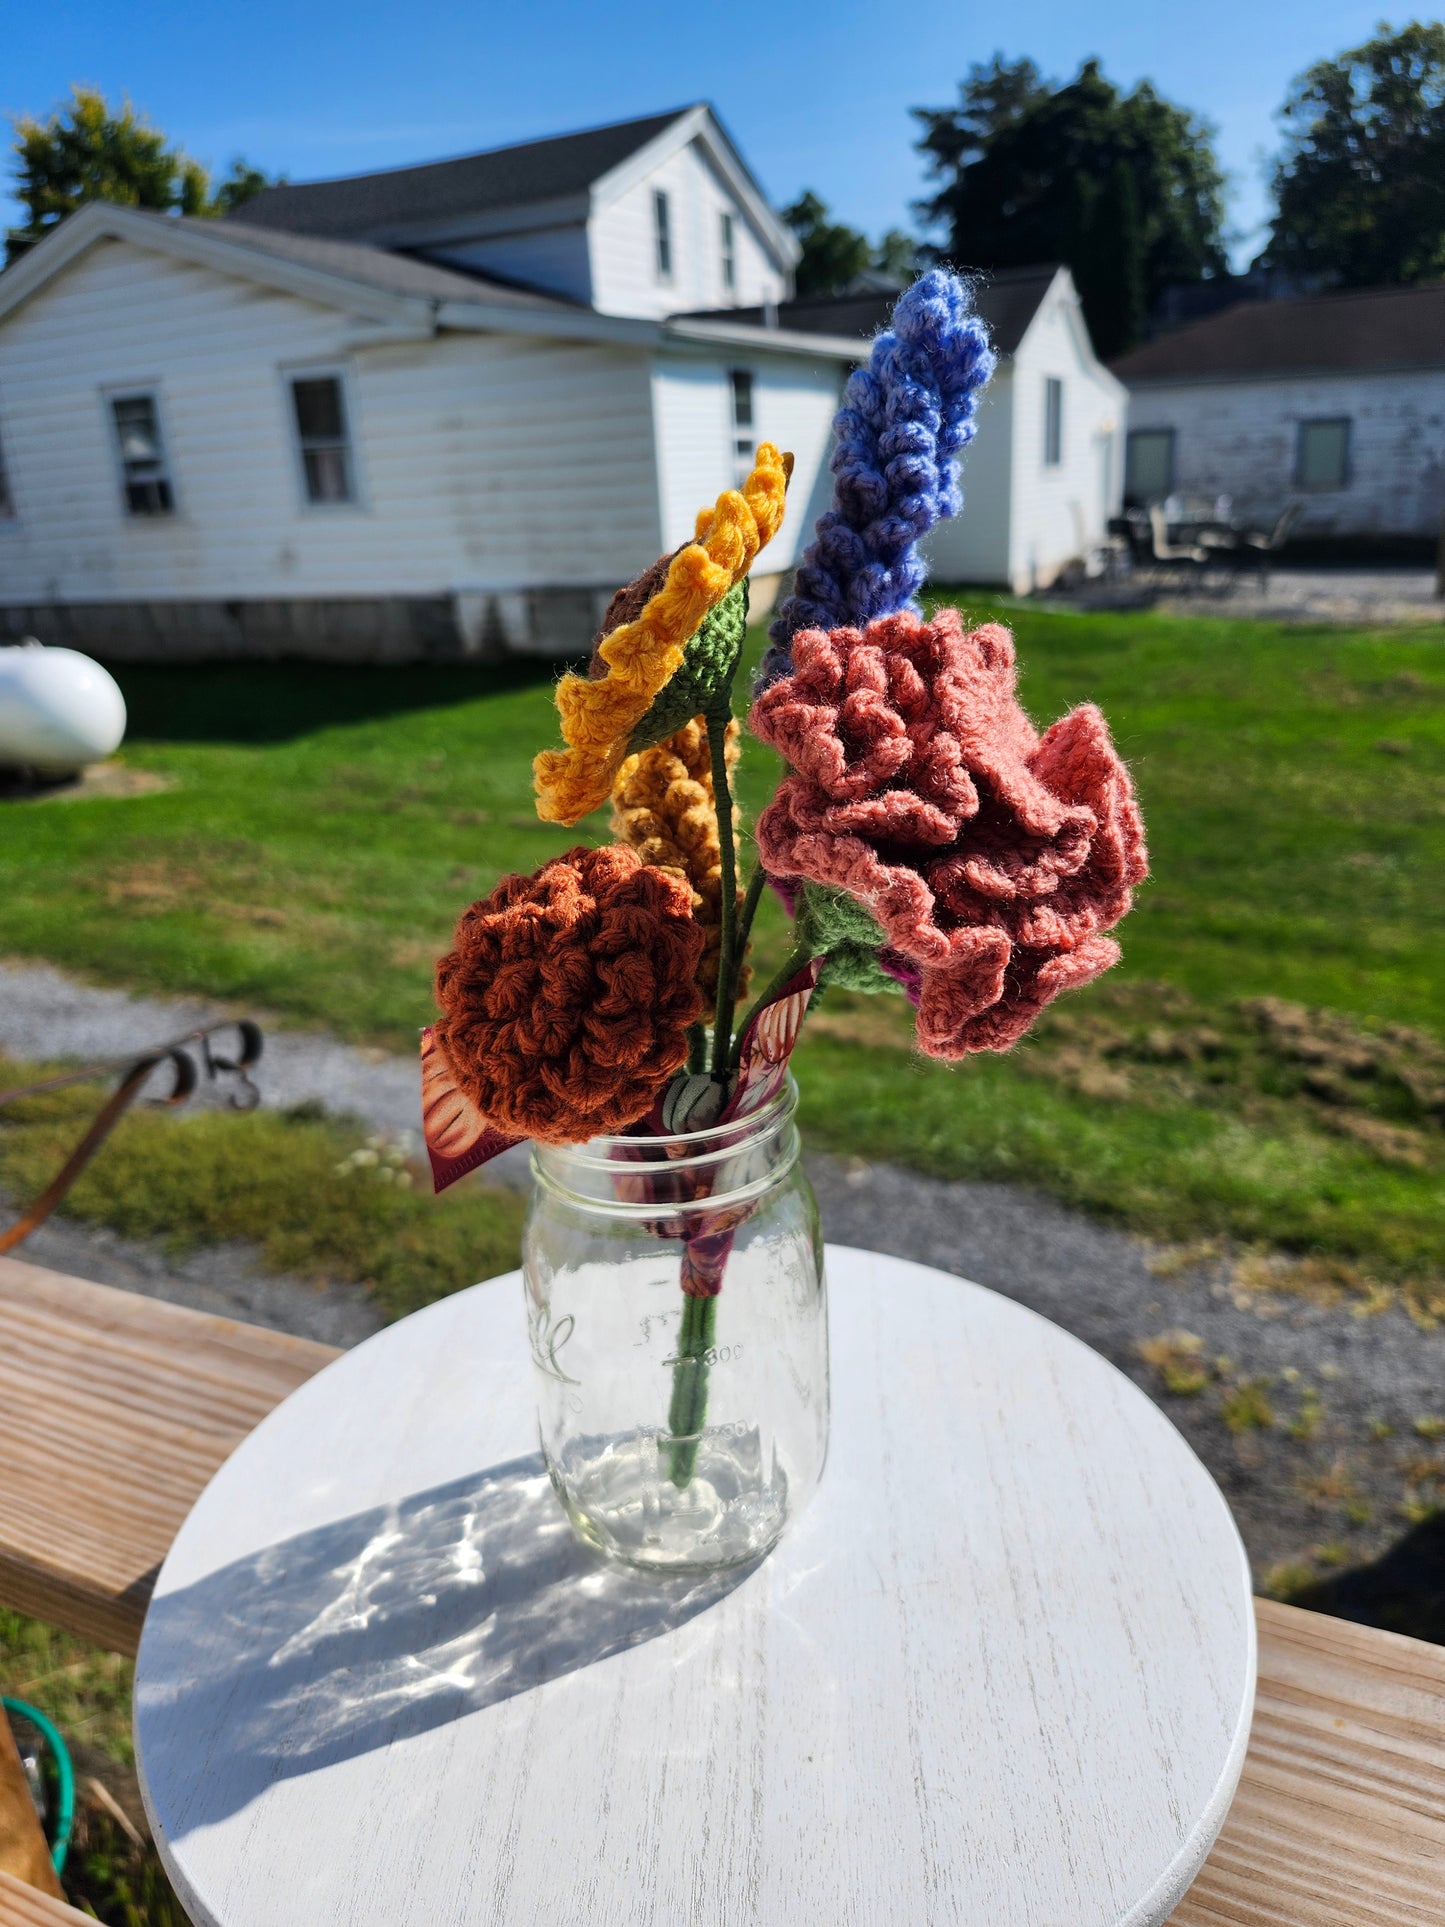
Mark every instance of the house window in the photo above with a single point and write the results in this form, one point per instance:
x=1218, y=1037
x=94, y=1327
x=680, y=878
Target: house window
x=7, y=499
x=145, y=478
x=1148, y=465
x=662, y=234
x=729, y=256
x=1053, y=422
x=1322, y=454
x=322, y=436
x=744, y=436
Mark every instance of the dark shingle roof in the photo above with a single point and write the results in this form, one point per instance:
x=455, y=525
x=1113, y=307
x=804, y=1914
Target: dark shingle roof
x=1008, y=301
x=379, y=267
x=1370, y=328
x=364, y=204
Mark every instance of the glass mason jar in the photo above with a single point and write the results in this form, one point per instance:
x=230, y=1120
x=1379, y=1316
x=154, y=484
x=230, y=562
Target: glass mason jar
x=678, y=1322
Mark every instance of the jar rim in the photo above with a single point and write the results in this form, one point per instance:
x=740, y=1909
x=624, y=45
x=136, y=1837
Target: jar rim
x=607, y=1152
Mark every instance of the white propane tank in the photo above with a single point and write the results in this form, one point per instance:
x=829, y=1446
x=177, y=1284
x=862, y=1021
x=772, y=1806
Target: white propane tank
x=58, y=710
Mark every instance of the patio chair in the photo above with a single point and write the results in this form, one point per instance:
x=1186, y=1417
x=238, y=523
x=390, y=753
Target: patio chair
x=1187, y=556
x=1258, y=545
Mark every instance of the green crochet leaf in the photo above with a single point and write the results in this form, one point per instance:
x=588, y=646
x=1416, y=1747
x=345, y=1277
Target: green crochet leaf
x=853, y=969
x=839, y=925
x=704, y=680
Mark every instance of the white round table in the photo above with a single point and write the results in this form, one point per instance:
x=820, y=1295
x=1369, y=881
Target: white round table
x=1000, y=1672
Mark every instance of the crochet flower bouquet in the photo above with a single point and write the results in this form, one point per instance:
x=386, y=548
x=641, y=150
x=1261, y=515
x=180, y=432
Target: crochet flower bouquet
x=925, y=838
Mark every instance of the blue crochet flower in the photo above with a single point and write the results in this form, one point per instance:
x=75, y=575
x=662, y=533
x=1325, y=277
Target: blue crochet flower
x=905, y=418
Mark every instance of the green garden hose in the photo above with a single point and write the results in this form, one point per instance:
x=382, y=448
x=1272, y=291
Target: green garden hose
x=64, y=1777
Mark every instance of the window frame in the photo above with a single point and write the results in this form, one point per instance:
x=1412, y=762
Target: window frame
x=663, y=252
x=727, y=234
x=743, y=433
x=1171, y=436
x=1302, y=427
x=9, y=501
x=150, y=391
x=335, y=371
x=1053, y=421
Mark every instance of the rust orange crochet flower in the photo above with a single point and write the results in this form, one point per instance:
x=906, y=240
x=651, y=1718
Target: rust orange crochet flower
x=663, y=806
x=600, y=711
x=567, y=995
x=993, y=858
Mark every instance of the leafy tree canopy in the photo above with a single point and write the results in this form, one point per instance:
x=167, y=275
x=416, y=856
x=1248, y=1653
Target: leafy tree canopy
x=835, y=255
x=1123, y=188
x=89, y=151
x=1360, y=185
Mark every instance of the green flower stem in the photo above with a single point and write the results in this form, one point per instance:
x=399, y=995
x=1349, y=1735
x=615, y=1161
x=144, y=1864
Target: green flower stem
x=803, y=953
x=687, y=1414
x=722, y=1037
x=696, y=1048
x=747, y=913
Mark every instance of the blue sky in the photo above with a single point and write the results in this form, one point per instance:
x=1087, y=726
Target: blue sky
x=816, y=95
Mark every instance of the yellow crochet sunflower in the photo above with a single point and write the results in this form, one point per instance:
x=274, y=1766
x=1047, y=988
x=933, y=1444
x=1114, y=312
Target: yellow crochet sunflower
x=640, y=657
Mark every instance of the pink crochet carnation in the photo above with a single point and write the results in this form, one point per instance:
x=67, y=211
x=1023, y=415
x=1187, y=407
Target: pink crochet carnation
x=993, y=858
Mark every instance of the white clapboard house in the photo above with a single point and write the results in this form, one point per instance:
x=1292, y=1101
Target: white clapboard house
x=446, y=410
x=1332, y=404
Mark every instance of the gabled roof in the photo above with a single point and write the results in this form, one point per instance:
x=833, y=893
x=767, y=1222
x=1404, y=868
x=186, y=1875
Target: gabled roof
x=379, y=267
x=1008, y=300
x=1371, y=328
x=372, y=284
x=533, y=171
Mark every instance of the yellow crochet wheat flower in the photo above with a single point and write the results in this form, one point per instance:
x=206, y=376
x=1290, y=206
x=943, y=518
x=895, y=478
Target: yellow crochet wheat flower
x=662, y=804
x=641, y=657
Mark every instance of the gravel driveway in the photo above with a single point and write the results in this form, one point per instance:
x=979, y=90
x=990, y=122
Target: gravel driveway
x=1305, y=1411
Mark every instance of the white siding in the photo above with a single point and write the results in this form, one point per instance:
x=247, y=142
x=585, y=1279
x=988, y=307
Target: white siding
x=624, y=273
x=974, y=546
x=1239, y=438
x=490, y=462
x=555, y=258
x=794, y=401
x=1058, y=514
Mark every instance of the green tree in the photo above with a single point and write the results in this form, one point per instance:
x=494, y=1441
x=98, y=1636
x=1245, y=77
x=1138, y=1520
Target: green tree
x=1110, y=272
x=835, y=255
x=896, y=256
x=89, y=151
x=1030, y=171
x=1360, y=185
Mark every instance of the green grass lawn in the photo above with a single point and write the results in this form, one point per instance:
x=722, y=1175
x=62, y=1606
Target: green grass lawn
x=324, y=826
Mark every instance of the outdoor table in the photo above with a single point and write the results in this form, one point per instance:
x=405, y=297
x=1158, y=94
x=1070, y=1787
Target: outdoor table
x=1000, y=1670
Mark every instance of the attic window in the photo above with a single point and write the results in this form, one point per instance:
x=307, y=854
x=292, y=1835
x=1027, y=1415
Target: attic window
x=145, y=476
x=729, y=256
x=662, y=233
x=1053, y=421
x=744, y=432
x=322, y=435
x=1322, y=454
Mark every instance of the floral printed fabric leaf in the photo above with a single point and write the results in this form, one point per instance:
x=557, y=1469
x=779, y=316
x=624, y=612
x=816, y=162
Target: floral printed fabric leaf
x=703, y=684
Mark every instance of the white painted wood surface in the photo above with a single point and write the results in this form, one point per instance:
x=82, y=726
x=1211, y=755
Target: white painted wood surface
x=482, y=461
x=1000, y=1672
x=794, y=402
x=622, y=238
x=1052, y=515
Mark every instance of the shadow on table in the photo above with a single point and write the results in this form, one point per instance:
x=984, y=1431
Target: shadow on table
x=379, y=1627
